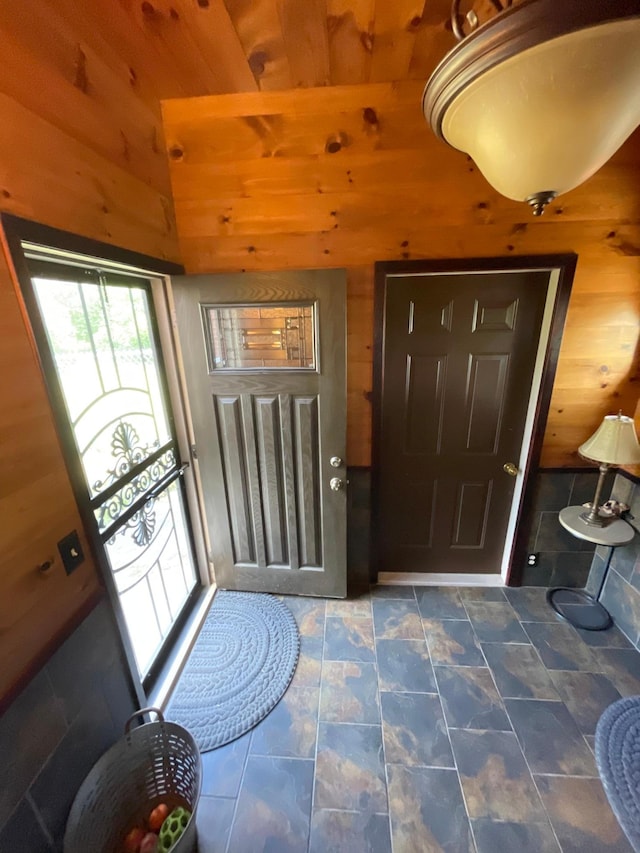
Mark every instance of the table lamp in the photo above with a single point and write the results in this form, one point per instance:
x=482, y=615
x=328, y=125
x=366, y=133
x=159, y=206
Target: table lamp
x=614, y=443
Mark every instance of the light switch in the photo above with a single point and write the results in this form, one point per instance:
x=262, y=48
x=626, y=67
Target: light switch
x=71, y=552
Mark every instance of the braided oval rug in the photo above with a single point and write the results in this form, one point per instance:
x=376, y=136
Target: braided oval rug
x=239, y=667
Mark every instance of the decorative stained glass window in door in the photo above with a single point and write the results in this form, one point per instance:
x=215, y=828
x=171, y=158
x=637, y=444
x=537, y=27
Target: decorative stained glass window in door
x=260, y=337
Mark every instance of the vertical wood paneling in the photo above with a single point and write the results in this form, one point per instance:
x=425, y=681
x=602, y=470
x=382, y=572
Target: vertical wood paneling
x=229, y=421
x=350, y=27
x=199, y=41
x=290, y=489
x=394, y=34
x=304, y=27
x=305, y=442
x=260, y=32
x=253, y=479
x=271, y=477
x=433, y=39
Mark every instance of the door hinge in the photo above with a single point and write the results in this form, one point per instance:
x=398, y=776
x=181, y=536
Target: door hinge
x=194, y=452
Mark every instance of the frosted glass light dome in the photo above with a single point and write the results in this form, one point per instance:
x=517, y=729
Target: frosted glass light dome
x=542, y=95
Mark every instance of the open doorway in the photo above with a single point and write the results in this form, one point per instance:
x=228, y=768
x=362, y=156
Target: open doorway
x=94, y=325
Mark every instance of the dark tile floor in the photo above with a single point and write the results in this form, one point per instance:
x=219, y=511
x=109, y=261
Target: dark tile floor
x=423, y=720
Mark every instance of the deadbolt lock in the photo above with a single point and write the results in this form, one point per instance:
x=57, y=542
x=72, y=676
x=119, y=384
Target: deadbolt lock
x=511, y=469
x=335, y=462
x=336, y=484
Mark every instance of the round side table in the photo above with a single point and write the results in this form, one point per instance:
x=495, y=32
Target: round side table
x=578, y=607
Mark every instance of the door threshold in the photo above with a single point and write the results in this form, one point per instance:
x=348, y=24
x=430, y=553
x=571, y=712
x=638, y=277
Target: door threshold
x=438, y=579
x=166, y=681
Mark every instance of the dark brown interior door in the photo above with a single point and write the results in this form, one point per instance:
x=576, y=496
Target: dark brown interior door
x=458, y=355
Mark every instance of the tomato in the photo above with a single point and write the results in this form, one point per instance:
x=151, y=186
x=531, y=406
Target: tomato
x=149, y=843
x=157, y=817
x=133, y=840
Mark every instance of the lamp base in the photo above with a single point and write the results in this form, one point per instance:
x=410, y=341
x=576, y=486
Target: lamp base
x=595, y=519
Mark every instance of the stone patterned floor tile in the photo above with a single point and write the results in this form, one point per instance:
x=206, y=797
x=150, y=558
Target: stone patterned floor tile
x=622, y=668
x=427, y=811
x=349, y=638
x=274, y=806
x=496, y=781
x=560, y=647
x=405, y=665
x=586, y=695
x=350, y=768
x=213, y=820
x=495, y=622
x=434, y=660
x=355, y=832
x=414, y=730
x=290, y=729
x=470, y=699
x=452, y=643
x=440, y=602
x=396, y=620
x=519, y=672
x=309, y=613
x=355, y=607
x=581, y=815
x=612, y=638
x=349, y=692
x=222, y=768
x=550, y=739
x=396, y=591
x=501, y=837
x=482, y=593
x=530, y=603
x=309, y=668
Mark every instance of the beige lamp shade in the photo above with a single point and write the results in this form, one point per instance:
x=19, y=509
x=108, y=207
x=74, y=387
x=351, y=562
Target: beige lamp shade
x=550, y=117
x=614, y=442
x=542, y=95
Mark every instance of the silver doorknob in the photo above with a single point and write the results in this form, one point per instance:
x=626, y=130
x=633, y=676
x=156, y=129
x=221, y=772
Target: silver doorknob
x=336, y=484
x=335, y=462
x=511, y=469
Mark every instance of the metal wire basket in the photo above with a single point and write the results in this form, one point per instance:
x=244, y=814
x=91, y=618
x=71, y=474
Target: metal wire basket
x=154, y=763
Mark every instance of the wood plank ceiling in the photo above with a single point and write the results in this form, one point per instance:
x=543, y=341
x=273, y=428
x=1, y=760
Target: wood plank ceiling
x=221, y=46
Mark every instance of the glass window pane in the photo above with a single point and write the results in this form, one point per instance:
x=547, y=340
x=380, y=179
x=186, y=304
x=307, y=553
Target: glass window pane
x=102, y=345
x=150, y=558
x=118, y=503
x=259, y=337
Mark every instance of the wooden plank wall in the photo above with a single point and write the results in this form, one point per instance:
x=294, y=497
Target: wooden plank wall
x=349, y=175
x=81, y=149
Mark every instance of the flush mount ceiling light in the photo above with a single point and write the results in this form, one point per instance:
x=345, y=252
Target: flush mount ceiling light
x=542, y=95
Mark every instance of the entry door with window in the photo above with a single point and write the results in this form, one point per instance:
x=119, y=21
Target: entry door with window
x=457, y=364
x=105, y=372
x=264, y=360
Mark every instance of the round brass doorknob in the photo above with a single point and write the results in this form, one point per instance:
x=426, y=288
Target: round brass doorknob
x=511, y=469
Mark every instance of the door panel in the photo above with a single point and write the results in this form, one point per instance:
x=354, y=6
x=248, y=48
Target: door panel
x=107, y=371
x=457, y=364
x=265, y=433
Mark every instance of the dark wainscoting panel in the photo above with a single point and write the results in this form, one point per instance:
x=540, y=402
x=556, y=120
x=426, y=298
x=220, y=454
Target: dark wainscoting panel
x=71, y=712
